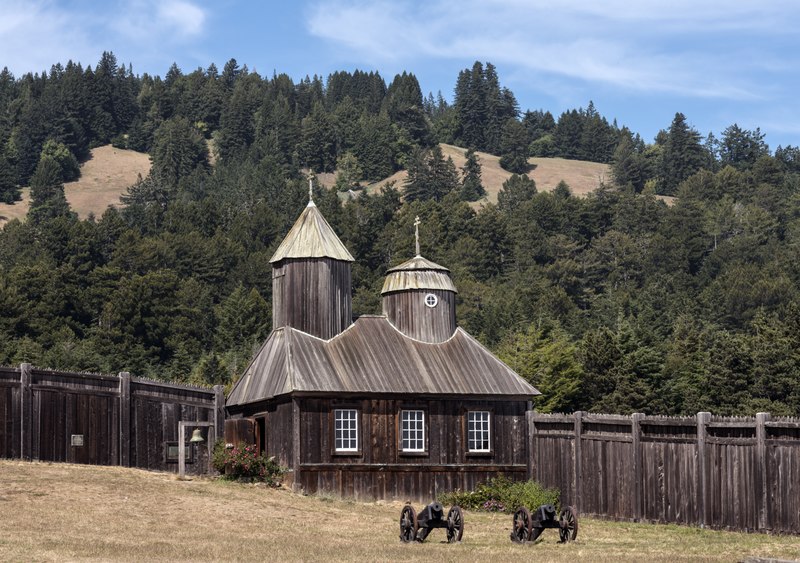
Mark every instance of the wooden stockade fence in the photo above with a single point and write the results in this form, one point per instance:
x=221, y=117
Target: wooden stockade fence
x=101, y=419
x=736, y=473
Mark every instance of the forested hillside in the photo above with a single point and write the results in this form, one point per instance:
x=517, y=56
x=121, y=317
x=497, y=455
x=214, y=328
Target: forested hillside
x=611, y=301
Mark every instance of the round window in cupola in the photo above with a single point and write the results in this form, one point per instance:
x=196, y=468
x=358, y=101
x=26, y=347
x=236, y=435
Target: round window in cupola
x=431, y=300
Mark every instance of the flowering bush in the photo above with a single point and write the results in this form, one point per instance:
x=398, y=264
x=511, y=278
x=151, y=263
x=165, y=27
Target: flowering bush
x=243, y=463
x=492, y=505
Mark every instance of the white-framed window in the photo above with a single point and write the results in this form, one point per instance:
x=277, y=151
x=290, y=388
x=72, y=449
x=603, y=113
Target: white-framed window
x=412, y=431
x=431, y=300
x=345, y=430
x=479, y=434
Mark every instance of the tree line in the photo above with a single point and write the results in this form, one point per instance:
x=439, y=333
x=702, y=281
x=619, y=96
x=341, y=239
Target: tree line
x=615, y=301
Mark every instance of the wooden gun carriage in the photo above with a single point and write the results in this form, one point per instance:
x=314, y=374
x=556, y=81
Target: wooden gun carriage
x=416, y=527
x=528, y=527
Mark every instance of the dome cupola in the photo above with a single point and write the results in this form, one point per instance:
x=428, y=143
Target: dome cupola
x=419, y=298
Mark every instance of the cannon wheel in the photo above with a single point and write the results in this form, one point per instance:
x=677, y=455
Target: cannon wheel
x=408, y=524
x=522, y=525
x=455, y=524
x=568, y=522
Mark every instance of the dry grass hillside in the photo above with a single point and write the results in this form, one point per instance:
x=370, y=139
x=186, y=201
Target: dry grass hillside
x=62, y=512
x=581, y=176
x=104, y=178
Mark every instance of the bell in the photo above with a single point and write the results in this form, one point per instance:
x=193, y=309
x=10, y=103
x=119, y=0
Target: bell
x=197, y=436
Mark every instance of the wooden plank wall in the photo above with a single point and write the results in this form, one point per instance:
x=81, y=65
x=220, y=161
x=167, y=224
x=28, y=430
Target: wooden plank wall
x=122, y=420
x=739, y=473
x=380, y=470
x=407, y=311
x=312, y=295
x=10, y=402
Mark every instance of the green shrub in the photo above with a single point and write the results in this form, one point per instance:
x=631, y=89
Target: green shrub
x=501, y=494
x=242, y=463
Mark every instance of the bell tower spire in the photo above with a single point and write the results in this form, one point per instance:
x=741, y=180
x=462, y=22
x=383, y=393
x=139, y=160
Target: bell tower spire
x=416, y=232
x=311, y=278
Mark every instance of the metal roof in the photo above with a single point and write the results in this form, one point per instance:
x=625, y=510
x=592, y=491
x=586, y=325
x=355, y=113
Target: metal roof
x=418, y=273
x=373, y=357
x=311, y=237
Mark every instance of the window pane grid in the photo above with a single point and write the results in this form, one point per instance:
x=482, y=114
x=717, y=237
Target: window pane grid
x=412, y=427
x=346, y=430
x=478, y=432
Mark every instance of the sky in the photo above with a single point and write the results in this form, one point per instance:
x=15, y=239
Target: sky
x=639, y=61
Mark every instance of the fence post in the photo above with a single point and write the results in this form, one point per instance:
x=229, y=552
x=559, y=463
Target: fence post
x=219, y=412
x=125, y=419
x=703, y=418
x=577, y=475
x=764, y=512
x=531, y=441
x=637, y=484
x=26, y=414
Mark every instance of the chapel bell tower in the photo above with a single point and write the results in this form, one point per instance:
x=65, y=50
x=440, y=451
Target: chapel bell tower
x=311, y=278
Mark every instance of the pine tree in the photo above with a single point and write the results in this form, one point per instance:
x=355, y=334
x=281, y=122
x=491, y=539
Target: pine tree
x=514, y=148
x=47, y=192
x=683, y=155
x=9, y=191
x=516, y=190
x=627, y=164
x=178, y=148
x=471, y=187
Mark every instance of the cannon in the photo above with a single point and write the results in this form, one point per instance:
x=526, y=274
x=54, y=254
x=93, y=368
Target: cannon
x=528, y=527
x=416, y=527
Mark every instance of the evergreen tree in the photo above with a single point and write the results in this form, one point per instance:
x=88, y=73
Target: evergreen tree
x=9, y=191
x=70, y=170
x=514, y=148
x=471, y=187
x=516, y=190
x=430, y=176
x=317, y=148
x=405, y=107
x=741, y=148
x=47, y=192
x=178, y=148
x=683, y=155
x=627, y=164
x=568, y=133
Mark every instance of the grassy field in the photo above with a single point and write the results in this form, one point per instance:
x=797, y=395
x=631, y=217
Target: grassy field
x=582, y=177
x=68, y=512
x=104, y=178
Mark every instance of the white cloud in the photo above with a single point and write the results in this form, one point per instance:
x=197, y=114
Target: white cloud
x=34, y=34
x=660, y=46
x=183, y=17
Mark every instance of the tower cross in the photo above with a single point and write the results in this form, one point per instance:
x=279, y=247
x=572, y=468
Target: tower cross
x=416, y=232
x=310, y=190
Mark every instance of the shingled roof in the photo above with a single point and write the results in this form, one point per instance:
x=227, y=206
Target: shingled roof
x=312, y=237
x=418, y=273
x=373, y=357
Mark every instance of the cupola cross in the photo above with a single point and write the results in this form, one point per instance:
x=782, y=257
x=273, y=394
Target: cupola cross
x=416, y=231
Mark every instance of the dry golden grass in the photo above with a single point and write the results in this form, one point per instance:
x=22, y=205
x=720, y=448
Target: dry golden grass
x=104, y=178
x=581, y=176
x=68, y=512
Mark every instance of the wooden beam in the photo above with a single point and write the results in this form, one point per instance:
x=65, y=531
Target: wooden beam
x=577, y=475
x=703, y=418
x=636, y=483
x=764, y=508
x=26, y=414
x=125, y=419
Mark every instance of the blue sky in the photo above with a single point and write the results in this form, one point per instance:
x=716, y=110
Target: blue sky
x=718, y=62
